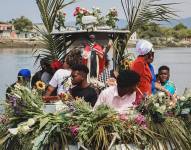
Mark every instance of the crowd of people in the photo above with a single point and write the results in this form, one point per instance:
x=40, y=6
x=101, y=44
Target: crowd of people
x=129, y=88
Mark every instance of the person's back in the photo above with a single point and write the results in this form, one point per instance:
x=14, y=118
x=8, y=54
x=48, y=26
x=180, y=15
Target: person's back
x=60, y=77
x=122, y=96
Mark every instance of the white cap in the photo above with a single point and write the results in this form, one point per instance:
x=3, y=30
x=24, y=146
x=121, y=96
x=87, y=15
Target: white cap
x=143, y=47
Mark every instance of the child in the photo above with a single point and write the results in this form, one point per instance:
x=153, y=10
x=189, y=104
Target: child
x=163, y=83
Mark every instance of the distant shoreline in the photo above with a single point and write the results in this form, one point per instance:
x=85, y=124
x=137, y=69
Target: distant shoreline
x=30, y=43
x=21, y=43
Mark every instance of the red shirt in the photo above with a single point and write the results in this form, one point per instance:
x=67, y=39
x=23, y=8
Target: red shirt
x=142, y=68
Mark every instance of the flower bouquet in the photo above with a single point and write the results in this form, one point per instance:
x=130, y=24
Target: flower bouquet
x=79, y=13
x=161, y=119
x=60, y=20
x=111, y=18
x=100, y=128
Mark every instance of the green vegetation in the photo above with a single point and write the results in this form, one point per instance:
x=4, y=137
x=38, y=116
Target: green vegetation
x=22, y=24
x=165, y=36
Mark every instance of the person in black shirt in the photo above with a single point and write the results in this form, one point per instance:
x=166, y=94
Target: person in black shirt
x=82, y=87
x=45, y=74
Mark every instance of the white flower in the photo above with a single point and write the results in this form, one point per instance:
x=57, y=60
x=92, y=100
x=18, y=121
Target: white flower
x=161, y=94
x=24, y=129
x=182, y=98
x=156, y=104
x=13, y=131
x=31, y=122
x=163, y=108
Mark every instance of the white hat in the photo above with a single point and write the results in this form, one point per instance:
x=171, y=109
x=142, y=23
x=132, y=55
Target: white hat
x=143, y=47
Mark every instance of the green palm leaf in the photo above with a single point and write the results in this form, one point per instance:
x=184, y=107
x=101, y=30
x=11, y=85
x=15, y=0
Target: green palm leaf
x=140, y=12
x=53, y=47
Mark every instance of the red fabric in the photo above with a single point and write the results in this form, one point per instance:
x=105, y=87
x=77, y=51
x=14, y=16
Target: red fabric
x=139, y=98
x=142, y=68
x=56, y=64
x=99, y=50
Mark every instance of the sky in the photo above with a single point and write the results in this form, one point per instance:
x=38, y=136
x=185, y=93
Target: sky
x=15, y=8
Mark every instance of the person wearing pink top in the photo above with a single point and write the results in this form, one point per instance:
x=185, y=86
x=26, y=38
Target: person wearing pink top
x=122, y=96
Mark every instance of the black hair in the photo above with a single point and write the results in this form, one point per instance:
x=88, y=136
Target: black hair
x=163, y=68
x=127, y=79
x=81, y=68
x=44, y=61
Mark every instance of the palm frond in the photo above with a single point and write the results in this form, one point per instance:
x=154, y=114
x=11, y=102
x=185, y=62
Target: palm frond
x=140, y=12
x=53, y=47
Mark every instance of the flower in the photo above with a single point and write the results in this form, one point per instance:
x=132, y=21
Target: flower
x=111, y=17
x=182, y=98
x=24, y=129
x=140, y=120
x=56, y=64
x=161, y=94
x=13, y=131
x=123, y=117
x=31, y=122
x=64, y=96
x=40, y=85
x=74, y=130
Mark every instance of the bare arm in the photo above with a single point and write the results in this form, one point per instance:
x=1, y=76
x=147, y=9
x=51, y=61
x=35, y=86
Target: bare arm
x=159, y=87
x=49, y=90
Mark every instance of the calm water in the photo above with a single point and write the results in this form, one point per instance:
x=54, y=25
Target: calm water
x=12, y=60
x=178, y=59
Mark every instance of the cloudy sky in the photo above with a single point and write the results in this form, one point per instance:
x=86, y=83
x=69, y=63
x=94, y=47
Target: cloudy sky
x=15, y=8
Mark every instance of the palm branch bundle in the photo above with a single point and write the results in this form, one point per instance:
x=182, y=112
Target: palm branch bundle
x=29, y=127
x=103, y=128
x=100, y=128
x=140, y=12
x=53, y=47
x=175, y=132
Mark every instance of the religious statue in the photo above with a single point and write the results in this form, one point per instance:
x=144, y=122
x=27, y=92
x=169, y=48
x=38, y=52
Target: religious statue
x=93, y=57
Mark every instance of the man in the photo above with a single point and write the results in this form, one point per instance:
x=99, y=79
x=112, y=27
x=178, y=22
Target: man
x=59, y=78
x=163, y=80
x=122, y=96
x=45, y=74
x=82, y=87
x=141, y=66
x=23, y=78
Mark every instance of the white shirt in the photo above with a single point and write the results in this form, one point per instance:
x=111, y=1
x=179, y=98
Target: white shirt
x=58, y=79
x=111, y=98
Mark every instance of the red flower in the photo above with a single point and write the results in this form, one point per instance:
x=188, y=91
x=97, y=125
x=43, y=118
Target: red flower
x=75, y=13
x=123, y=117
x=74, y=130
x=56, y=64
x=140, y=120
x=64, y=14
x=78, y=9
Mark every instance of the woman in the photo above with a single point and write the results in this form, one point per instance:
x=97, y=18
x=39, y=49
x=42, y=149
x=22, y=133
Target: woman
x=141, y=66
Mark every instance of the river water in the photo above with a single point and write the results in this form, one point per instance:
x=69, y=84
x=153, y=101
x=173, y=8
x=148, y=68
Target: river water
x=178, y=59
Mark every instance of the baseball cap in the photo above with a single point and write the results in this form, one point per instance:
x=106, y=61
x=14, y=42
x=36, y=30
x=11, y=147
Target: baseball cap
x=24, y=73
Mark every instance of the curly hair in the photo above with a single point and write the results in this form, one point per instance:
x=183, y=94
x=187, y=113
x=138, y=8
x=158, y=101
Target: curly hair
x=73, y=57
